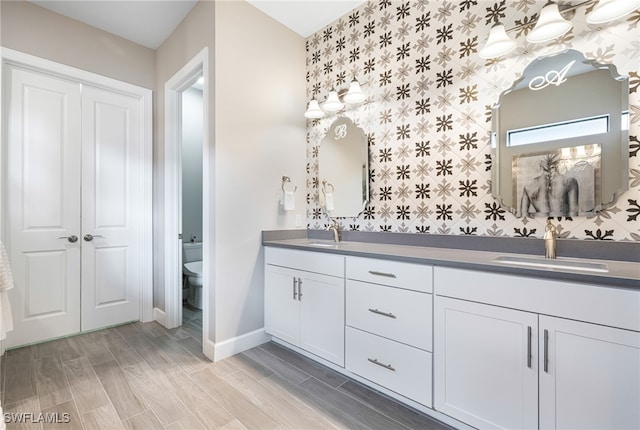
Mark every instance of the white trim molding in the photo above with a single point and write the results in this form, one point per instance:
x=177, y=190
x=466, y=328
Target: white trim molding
x=160, y=316
x=227, y=348
x=173, y=88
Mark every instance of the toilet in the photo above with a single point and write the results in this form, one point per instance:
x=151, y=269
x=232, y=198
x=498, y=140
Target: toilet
x=192, y=270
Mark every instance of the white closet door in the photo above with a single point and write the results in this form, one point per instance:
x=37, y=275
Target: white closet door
x=43, y=205
x=111, y=192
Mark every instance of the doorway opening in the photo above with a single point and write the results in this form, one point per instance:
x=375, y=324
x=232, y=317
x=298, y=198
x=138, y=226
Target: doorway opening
x=191, y=201
x=189, y=83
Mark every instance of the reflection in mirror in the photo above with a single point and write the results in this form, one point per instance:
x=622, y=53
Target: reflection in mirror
x=560, y=138
x=343, y=169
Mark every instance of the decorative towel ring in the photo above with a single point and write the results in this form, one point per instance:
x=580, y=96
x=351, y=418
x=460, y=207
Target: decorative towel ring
x=326, y=184
x=286, y=179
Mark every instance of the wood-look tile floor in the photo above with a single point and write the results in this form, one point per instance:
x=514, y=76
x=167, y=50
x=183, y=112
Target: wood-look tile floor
x=143, y=376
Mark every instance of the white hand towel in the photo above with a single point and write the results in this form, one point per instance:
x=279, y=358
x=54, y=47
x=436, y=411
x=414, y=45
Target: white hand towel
x=6, y=283
x=289, y=200
x=328, y=202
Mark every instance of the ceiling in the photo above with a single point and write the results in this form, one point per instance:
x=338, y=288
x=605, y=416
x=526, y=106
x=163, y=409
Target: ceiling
x=305, y=17
x=150, y=22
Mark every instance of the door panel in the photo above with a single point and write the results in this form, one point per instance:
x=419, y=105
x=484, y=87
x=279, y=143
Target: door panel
x=45, y=284
x=592, y=376
x=321, y=300
x=110, y=276
x=281, y=303
x=485, y=365
x=111, y=260
x=44, y=203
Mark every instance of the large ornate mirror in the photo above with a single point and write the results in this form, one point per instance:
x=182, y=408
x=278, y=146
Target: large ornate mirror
x=560, y=138
x=343, y=169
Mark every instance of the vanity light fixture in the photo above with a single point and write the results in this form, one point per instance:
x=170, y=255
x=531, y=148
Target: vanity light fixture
x=610, y=10
x=498, y=43
x=353, y=95
x=333, y=103
x=551, y=25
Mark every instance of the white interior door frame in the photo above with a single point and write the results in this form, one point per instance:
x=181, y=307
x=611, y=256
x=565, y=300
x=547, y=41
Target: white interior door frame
x=183, y=79
x=144, y=207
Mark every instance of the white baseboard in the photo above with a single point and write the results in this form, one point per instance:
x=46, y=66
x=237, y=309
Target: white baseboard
x=221, y=350
x=160, y=316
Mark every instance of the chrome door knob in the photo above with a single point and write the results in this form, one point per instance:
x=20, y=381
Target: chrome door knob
x=89, y=237
x=73, y=238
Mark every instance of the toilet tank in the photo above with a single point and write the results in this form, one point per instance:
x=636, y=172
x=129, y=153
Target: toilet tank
x=192, y=252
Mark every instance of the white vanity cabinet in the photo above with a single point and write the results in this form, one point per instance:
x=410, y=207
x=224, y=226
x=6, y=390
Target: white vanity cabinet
x=304, y=301
x=517, y=352
x=389, y=325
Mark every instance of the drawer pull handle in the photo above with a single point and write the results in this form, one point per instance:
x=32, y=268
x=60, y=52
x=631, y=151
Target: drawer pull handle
x=386, y=275
x=529, y=335
x=386, y=366
x=546, y=351
x=295, y=285
x=385, y=314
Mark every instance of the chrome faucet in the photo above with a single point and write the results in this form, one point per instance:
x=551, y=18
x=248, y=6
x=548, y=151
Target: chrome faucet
x=549, y=240
x=336, y=230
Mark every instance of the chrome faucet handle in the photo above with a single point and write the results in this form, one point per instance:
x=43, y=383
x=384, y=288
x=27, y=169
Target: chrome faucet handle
x=335, y=227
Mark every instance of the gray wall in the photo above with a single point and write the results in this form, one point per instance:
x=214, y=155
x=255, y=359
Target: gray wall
x=38, y=31
x=257, y=134
x=259, y=137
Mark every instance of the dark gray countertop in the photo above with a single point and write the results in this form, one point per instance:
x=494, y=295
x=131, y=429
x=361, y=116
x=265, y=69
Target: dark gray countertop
x=623, y=274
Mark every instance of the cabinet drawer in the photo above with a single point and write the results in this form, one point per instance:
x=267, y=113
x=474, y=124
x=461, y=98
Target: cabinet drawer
x=316, y=262
x=401, y=315
x=395, y=366
x=411, y=276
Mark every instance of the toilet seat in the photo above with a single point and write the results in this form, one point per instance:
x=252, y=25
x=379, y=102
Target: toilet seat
x=193, y=271
x=193, y=268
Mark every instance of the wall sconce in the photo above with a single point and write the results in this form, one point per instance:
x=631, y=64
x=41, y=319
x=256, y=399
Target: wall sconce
x=551, y=25
x=353, y=95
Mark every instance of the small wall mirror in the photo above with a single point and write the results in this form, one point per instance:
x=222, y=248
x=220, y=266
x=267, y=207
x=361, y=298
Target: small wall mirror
x=343, y=169
x=560, y=138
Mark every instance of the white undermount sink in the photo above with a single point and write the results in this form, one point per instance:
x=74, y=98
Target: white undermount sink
x=543, y=263
x=323, y=244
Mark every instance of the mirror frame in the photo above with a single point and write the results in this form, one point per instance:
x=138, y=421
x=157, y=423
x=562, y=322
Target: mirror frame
x=342, y=128
x=617, y=151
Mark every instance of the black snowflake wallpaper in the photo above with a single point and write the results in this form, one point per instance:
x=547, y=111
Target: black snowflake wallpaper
x=427, y=116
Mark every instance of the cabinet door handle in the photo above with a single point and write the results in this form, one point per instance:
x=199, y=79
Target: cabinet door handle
x=546, y=351
x=386, y=275
x=529, y=346
x=386, y=314
x=299, y=289
x=386, y=366
x=295, y=291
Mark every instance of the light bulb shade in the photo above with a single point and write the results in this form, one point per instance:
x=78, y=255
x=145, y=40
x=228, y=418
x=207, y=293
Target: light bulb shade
x=610, y=10
x=550, y=25
x=313, y=110
x=498, y=43
x=333, y=103
x=355, y=94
